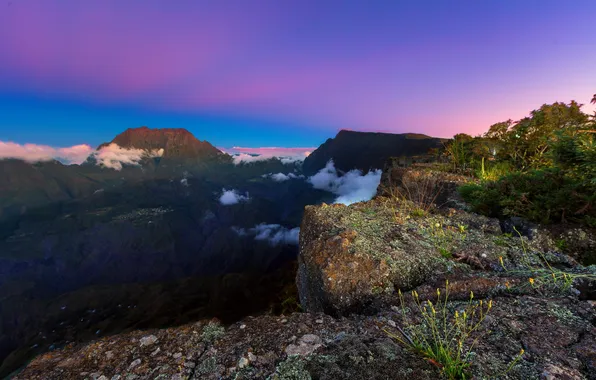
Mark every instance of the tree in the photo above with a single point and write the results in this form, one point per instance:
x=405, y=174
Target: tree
x=593, y=101
x=526, y=142
x=499, y=131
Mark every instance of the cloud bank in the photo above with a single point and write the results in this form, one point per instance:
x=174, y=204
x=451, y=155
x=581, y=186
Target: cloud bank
x=34, y=153
x=281, y=177
x=286, y=155
x=111, y=156
x=232, y=197
x=352, y=187
x=275, y=234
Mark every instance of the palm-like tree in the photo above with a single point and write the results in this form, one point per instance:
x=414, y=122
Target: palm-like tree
x=593, y=101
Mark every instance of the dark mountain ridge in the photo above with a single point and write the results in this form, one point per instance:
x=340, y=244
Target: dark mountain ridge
x=367, y=150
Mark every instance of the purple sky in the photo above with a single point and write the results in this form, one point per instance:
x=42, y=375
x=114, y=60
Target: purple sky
x=285, y=73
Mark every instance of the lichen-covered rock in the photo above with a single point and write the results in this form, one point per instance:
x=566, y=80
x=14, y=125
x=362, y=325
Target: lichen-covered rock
x=353, y=256
x=349, y=255
x=578, y=242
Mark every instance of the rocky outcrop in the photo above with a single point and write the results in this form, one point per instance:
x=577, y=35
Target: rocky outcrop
x=368, y=150
x=421, y=184
x=348, y=255
x=556, y=333
x=352, y=257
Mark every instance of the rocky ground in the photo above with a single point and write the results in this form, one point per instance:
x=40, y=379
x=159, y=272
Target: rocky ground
x=354, y=263
x=557, y=334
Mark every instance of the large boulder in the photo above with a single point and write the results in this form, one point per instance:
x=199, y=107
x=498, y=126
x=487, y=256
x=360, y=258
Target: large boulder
x=354, y=258
x=351, y=256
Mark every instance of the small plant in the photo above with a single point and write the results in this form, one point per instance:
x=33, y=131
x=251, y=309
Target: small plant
x=443, y=238
x=212, y=331
x=445, y=338
x=462, y=228
x=417, y=213
x=541, y=275
x=293, y=368
x=414, y=195
x=561, y=244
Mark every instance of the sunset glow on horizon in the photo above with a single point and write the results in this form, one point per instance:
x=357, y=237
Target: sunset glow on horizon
x=288, y=73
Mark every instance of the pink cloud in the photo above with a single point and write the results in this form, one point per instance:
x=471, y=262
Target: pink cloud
x=34, y=153
x=111, y=156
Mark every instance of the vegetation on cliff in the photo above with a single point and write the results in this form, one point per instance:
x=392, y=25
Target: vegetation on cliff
x=542, y=167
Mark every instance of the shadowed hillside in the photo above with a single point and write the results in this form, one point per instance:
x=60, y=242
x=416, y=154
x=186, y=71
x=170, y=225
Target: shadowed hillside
x=367, y=150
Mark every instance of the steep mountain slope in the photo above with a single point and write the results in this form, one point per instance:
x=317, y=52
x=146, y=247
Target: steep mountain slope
x=128, y=239
x=24, y=185
x=175, y=142
x=367, y=150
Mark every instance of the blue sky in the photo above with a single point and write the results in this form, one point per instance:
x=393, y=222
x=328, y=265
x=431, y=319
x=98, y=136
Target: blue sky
x=291, y=73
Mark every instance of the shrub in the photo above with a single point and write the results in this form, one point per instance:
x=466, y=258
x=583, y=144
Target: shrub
x=492, y=171
x=544, y=196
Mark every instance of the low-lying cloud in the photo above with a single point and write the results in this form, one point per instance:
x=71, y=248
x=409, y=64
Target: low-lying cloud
x=281, y=177
x=111, y=156
x=352, y=187
x=232, y=197
x=275, y=234
x=286, y=155
x=34, y=153
x=114, y=156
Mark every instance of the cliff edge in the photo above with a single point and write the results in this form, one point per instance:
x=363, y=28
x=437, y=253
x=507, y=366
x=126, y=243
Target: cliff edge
x=367, y=274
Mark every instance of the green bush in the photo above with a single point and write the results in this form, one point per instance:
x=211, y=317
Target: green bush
x=544, y=196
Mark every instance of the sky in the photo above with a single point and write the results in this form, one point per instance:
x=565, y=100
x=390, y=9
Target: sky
x=285, y=73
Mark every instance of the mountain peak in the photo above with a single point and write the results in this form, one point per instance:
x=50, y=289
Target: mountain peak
x=367, y=150
x=176, y=142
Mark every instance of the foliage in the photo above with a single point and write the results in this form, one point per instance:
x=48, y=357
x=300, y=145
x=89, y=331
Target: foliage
x=414, y=196
x=576, y=153
x=545, y=196
x=542, y=167
x=443, y=238
x=212, y=331
x=444, y=337
x=293, y=368
x=493, y=170
x=523, y=144
x=542, y=275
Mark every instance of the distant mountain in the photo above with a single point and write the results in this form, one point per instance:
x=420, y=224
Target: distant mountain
x=175, y=142
x=24, y=184
x=367, y=150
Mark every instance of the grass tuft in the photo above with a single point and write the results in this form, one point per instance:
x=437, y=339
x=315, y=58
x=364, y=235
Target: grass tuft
x=445, y=338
